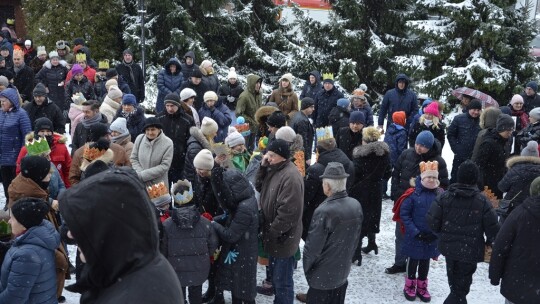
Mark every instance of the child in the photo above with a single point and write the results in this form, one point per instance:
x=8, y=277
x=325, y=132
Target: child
x=419, y=243
x=239, y=154
x=396, y=138
x=188, y=241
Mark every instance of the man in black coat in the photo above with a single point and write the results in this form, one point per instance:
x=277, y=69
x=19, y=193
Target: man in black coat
x=350, y=137
x=301, y=125
x=325, y=100
x=41, y=106
x=313, y=86
x=462, y=134
x=24, y=76
x=460, y=217
x=530, y=97
x=132, y=73
x=195, y=83
x=91, y=117
x=176, y=124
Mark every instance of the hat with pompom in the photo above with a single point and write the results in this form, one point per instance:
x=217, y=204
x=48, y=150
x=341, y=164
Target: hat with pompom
x=531, y=149
x=232, y=73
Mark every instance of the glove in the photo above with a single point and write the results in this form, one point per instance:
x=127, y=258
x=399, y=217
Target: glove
x=494, y=282
x=426, y=237
x=230, y=99
x=231, y=257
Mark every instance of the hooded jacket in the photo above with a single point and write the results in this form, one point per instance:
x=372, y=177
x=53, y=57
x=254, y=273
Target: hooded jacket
x=398, y=100
x=324, y=102
x=152, y=159
x=168, y=83
x=249, y=102
x=187, y=70
x=491, y=159
x=522, y=170
x=396, y=138
x=14, y=125
x=195, y=144
x=312, y=89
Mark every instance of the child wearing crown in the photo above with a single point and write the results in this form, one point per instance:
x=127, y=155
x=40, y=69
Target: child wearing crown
x=419, y=243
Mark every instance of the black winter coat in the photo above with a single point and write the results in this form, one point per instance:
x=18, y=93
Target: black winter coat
x=346, y=141
x=47, y=109
x=371, y=168
x=530, y=102
x=311, y=90
x=313, y=190
x=514, y=258
x=462, y=134
x=407, y=167
x=531, y=132
x=324, y=102
x=53, y=77
x=200, y=89
x=301, y=125
x=176, y=127
x=438, y=133
x=460, y=217
x=135, y=122
x=522, y=170
x=84, y=86
x=491, y=158
x=81, y=134
x=195, y=144
x=133, y=75
x=339, y=118
x=227, y=90
x=24, y=81
x=187, y=70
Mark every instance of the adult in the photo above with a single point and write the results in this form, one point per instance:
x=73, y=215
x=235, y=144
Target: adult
x=429, y=121
x=247, y=105
x=120, y=135
x=210, y=79
x=84, y=55
x=195, y=83
x=132, y=73
x=462, y=134
x=359, y=102
x=325, y=100
x=327, y=248
x=111, y=103
x=187, y=96
x=29, y=51
x=136, y=261
x=134, y=115
x=301, y=124
x=15, y=124
x=339, y=115
x=169, y=80
x=189, y=66
x=488, y=120
x=53, y=76
x=532, y=131
x=199, y=139
x=231, y=90
x=461, y=238
x=400, y=98
x=215, y=109
x=37, y=63
x=313, y=86
x=522, y=120
x=64, y=53
x=285, y=97
x=282, y=189
x=113, y=78
x=4, y=42
x=349, y=137
x=152, y=154
x=530, y=97
x=91, y=117
x=41, y=106
x=176, y=124
x=24, y=76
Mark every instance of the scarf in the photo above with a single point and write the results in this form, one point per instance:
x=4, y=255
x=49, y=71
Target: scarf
x=127, y=115
x=130, y=70
x=16, y=69
x=428, y=122
x=522, y=116
x=120, y=138
x=91, y=121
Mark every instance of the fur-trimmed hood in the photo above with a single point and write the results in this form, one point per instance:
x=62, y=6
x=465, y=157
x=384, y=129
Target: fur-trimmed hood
x=378, y=148
x=522, y=159
x=58, y=138
x=48, y=63
x=263, y=113
x=199, y=136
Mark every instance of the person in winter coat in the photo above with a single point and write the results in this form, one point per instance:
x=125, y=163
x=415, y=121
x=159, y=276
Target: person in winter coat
x=350, y=137
x=79, y=85
x=112, y=103
x=134, y=115
x=113, y=78
x=40, y=106
x=23, y=76
x=530, y=97
x=396, y=136
x=247, y=105
x=199, y=139
x=285, y=97
x=215, y=109
x=189, y=66
x=488, y=120
x=189, y=241
x=522, y=120
x=231, y=90
x=400, y=98
x=120, y=135
x=240, y=156
x=532, y=131
x=359, y=102
x=325, y=100
x=429, y=121
x=29, y=270
x=237, y=231
x=371, y=168
x=169, y=80
x=419, y=242
x=210, y=79
x=84, y=55
x=187, y=96
x=29, y=51
x=514, y=258
x=91, y=117
x=491, y=157
x=336, y=223
x=301, y=124
x=37, y=63
x=339, y=115
x=460, y=217
x=152, y=153
x=136, y=260
x=195, y=83
x=88, y=71
x=53, y=75
x=313, y=85
x=15, y=124
x=462, y=134
x=132, y=73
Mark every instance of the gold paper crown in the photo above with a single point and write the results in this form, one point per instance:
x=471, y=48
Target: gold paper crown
x=91, y=154
x=37, y=146
x=324, y=133
x=80, y=57
x=327, y=76
x=430, y=165
x=157, y=190
x=103, y=64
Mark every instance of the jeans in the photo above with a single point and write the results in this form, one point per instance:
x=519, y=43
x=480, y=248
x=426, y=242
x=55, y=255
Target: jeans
x=332, y=296
x=460, y=279
x=400, y=259
x=282, y=279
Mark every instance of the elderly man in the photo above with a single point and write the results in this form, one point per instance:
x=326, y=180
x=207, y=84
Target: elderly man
x=336, y=223
x=282, y=196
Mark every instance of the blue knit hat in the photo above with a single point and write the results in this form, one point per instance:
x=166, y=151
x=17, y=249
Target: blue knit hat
x=129, y=99
x=426, y=139
x=533, y=85
x=357, y=117
x=343, y=102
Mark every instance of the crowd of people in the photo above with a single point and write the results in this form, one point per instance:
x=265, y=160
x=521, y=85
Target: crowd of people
x=223, y=178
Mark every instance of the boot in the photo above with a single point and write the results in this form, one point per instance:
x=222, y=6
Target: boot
x=410, y=289
x=210, y=292
x=218, y=298
x=371, y=245
x=302, y=297
x=266, y=288
x=422, y=291
x=395, y=269
x=358, y=253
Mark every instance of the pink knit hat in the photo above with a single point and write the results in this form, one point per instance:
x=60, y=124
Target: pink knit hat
x=433, y=109
x=516, y=99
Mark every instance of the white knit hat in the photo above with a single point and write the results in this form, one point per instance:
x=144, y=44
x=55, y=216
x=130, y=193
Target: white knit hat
x=232, y=73
x=41, y=51
x=234, y=139
x=114, y=92
x=187, y=93
x=286, y=133
x=119, y=125
x=210, y=95
x=204, y=160
x=209, y=126
x=287, y=76
x=110, y=83
x=53, y=54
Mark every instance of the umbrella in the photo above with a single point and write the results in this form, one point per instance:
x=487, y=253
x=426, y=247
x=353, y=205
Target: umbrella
x=487, y=101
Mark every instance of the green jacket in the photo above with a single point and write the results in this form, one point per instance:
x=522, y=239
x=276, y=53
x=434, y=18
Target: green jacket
x=249, y=102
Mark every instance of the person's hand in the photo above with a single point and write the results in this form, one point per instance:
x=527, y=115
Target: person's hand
x=54, y=205
x=230, y=99
x=426, y=237
x=264, y=161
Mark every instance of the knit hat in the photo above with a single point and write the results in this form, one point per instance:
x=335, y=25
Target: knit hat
x=467, y=173
x=232, y=73
x=286, y=133
x=35, y=168
x=152, y=122
x=426, y=139
x=535, y=113
x=41, y=50
x=112, y=72
x=114, y=92
x=43, y=123
x=28, y=42
x=4, y=81
x=331, y=81
x=399, y=117
x=433, y=109
x=535, y=187
x=29, y=211
x=210, y=95
x=234, y=139
x=505, y=123
x=306, y=103
x=533, y=85
x=334, y=170
x=172, y=98
x=127, y=51
x=370, y=134
x=516, y=99
x=159, y=195
x=288, y=76
x=53, y=54
x=97, y=131
x=343, y=102
x=76, y=69
x=197, y=74
x=119, y=125
x=475, y=104
x=531, y=149
x=182, y=192
x=277, y=119
x=209, y=126
x=78, y=41
x=358, y=93
x=357, y=117
x=129, y=99
x=39, y=90
x=110, y=83
x=204, y=160
x=280, y=147
x=187, y=93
